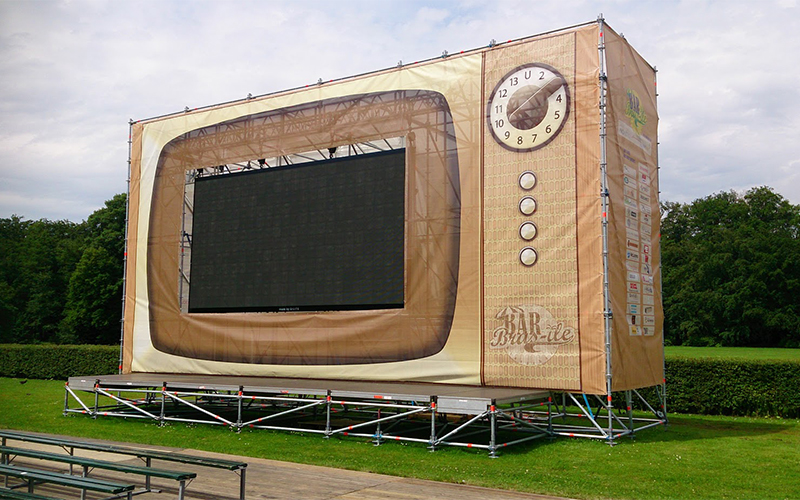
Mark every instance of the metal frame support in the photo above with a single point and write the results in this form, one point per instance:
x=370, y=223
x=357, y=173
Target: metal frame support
x=378, y=415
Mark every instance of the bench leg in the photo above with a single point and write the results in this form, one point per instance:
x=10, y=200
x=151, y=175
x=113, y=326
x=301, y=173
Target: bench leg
x=84, y=474
x=147, y=477
x=241, y=484
x=181, y=490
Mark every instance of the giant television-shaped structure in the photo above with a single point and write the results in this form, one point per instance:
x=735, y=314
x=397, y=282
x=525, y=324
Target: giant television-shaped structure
x=484, y=221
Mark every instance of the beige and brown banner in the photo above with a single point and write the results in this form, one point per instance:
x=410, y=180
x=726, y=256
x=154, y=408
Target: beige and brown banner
x=503, y=268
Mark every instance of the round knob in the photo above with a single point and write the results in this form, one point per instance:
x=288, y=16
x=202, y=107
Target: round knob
x=527, y=231
x=528, y=256
x=527, y=180
x=527, y=205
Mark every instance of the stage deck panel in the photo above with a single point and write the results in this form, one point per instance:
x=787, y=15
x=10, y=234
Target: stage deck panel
x=450, y=398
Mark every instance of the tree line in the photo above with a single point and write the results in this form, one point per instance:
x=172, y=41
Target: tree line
x=730, y=267
x=61, y=281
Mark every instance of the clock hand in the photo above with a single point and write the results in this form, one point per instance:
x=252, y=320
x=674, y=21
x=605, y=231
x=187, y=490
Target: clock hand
x=550, y=87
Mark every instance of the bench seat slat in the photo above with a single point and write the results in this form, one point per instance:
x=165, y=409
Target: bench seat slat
x=99, y=464
x=7, y=494
x=142, y=453
x=65, y=479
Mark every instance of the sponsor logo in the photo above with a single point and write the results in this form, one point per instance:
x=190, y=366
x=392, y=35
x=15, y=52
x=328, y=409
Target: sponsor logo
x=630, y=202
x=630, y=192
x=634, y=330
x=644, y=198
x=633, y=276
x=646, y=219
x=632, y=266
x=632, y=244
x=628, y=170
x=646, y=229
x=633, y=308
x=631, y=223
x=648, y=300
x=633, y=298
x=647, y=279
x=648, y=320
x=632, y=234
x=635, y=111
x=632, y=255
x=646, y=208
x=649, y=310
x=644, y=168
x=648, y=331
x=633, y=287
x=530, y=334
x=646, y=249
x=629, y=181
x=633, y=214
x=648, y=289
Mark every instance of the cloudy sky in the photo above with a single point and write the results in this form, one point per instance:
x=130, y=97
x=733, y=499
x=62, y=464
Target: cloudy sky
x=72, y=73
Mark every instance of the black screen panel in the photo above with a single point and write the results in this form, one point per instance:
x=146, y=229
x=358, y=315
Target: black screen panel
x=326, y=235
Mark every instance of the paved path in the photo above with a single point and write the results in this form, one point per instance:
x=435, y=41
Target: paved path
x=274, y=480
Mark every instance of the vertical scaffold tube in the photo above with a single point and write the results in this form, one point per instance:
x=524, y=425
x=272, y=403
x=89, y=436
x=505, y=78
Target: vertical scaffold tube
x=607, y=312
x=125, y=249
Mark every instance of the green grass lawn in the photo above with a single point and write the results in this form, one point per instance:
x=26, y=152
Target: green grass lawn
x=754, y=353
x=694, y=457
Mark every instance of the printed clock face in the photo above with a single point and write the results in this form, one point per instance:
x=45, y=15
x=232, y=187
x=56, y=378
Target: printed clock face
x=528, y=107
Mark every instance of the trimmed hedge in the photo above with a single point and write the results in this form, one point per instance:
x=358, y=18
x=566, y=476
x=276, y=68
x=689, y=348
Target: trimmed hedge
x=706, y=386
x=59, y=362
x=710, y=386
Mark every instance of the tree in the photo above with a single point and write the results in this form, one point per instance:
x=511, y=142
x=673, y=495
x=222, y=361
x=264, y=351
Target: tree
x=94, y=298
x=731, y=270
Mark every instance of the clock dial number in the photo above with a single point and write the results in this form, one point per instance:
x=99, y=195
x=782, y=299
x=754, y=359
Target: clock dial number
x=529, y=107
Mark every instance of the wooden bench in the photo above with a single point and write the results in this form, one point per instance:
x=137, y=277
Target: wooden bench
x=36, y=476
x=22, y=495
x=70, y=445
x=90, y=463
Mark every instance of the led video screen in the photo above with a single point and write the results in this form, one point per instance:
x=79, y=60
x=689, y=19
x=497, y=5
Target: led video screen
x=319, y=236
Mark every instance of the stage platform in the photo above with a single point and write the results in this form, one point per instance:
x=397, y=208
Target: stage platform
x=459, y=399
x=435, y=414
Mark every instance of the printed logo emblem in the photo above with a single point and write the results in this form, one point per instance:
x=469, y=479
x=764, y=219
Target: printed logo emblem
x=634, y=111
x=530, y=335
